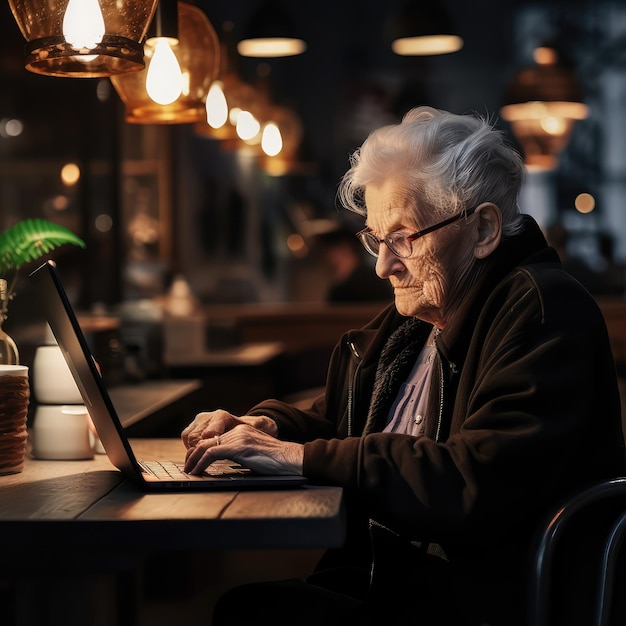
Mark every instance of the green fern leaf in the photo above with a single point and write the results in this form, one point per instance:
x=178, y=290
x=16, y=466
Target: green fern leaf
x=30, y=239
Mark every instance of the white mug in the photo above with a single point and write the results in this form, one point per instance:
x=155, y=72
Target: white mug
x=63, y=432
x=52, y=379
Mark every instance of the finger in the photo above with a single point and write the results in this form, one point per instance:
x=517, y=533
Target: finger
x=201, y=456
x=192, y=434
x=197, y=460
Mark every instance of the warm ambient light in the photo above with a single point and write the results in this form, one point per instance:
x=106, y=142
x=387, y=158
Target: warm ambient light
x=83, y=24
x=585, y=203
x=83, y=38
x=216, y=106
x=271, y=140
x=289, y=126
x=248, y=127
x=542, y=104
x=164, y=79
x=70, y=174
x=198, y=57
x=423, y=28
x=271, y=33
x=427, y=45
x=271, y=47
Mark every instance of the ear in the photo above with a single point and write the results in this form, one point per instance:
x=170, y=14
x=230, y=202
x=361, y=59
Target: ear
x=489, y=229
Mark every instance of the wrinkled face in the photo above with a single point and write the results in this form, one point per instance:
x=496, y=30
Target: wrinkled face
x=428, y=285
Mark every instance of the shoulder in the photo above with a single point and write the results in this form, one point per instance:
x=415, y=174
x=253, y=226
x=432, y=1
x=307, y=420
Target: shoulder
x=548, y=294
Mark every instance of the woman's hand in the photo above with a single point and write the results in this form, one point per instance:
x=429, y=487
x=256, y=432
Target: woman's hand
x=210, y=423
x=248, y=446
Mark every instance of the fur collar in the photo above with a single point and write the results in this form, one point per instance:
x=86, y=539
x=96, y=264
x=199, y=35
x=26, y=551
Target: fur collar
x=396, y=361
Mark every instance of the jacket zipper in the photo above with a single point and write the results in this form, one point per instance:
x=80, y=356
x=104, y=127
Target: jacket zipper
x=441, y=386
x=351, y=385
x=453, y=368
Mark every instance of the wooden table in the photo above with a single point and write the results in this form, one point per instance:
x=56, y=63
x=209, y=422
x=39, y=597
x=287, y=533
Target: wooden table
x=60, y=518
x=158, y=408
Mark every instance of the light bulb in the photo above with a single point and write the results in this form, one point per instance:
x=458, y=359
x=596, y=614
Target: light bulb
x=83, y=24
x=553, y=125
x=248, y=126
x=164, y=78
x=216, y=106
x=271, y=142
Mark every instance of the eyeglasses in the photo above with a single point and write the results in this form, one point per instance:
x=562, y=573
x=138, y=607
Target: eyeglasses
x=400, y=243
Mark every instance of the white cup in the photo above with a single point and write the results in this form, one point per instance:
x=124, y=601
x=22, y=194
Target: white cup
x=52, y=379
x=62, y=432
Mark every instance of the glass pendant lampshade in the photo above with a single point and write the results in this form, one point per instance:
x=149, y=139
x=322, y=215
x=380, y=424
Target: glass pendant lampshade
x=542, y=105
x=83, y=38
x=196, y=65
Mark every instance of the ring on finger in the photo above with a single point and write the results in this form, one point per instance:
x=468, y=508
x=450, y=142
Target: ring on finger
x=217, y=440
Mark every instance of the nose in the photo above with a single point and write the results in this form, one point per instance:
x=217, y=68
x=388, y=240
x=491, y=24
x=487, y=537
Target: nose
x=387, y=263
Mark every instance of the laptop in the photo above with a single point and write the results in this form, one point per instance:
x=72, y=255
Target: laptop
x=152, y=474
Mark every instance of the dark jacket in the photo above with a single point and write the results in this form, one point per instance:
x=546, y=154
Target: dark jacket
x=530, y=412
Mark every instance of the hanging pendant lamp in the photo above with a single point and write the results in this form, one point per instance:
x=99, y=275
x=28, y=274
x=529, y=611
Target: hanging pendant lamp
x=281, y=138
x=271, y=33
x=218, y=122
x=189, y=72
x=424, y=29
x=542, y=104
x=83, y=38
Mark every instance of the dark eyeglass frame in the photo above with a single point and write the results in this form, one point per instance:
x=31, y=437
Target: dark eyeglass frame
x=366, y=237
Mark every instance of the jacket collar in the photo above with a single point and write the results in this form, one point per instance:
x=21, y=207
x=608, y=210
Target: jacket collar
x=527, y=247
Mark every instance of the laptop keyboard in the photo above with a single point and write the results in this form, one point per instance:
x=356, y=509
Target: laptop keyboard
x=167, y=470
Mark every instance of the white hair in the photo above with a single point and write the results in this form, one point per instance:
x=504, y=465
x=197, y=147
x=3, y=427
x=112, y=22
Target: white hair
x=442, y=162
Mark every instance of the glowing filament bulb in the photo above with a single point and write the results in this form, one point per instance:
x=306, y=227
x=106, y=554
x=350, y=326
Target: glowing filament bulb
x=164, y=79
x=83, y=24
x=271, y=142
x=216, y=106
x=248, y=126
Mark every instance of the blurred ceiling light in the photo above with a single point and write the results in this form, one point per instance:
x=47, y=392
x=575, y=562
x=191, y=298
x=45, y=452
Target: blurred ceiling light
x=103, y=223
x=180, y=99
x=297, y=246
x=243, y=124
x=287, y=136
x=248, y=127
x=216, y=106
x=271, y=139
x=217, y=124
x=60, y=203
x=271, y=33
x=70, y=174
x=585, y=203
x=164, y=78
x=424, y=28
x=83, y=38
x=542, y=104
x=11, y=128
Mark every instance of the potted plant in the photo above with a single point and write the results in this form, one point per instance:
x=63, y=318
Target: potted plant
x=25, y=241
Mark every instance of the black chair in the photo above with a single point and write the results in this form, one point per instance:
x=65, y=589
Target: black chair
x=576, y=565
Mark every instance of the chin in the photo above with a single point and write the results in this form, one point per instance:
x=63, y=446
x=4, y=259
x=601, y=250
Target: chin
x=413, y=304
x=407, y=306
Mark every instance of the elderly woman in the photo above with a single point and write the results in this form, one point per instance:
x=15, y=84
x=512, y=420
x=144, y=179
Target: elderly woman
x=459, y=416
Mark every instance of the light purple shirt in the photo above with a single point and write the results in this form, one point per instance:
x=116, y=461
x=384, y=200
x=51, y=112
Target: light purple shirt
x=407, y=414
